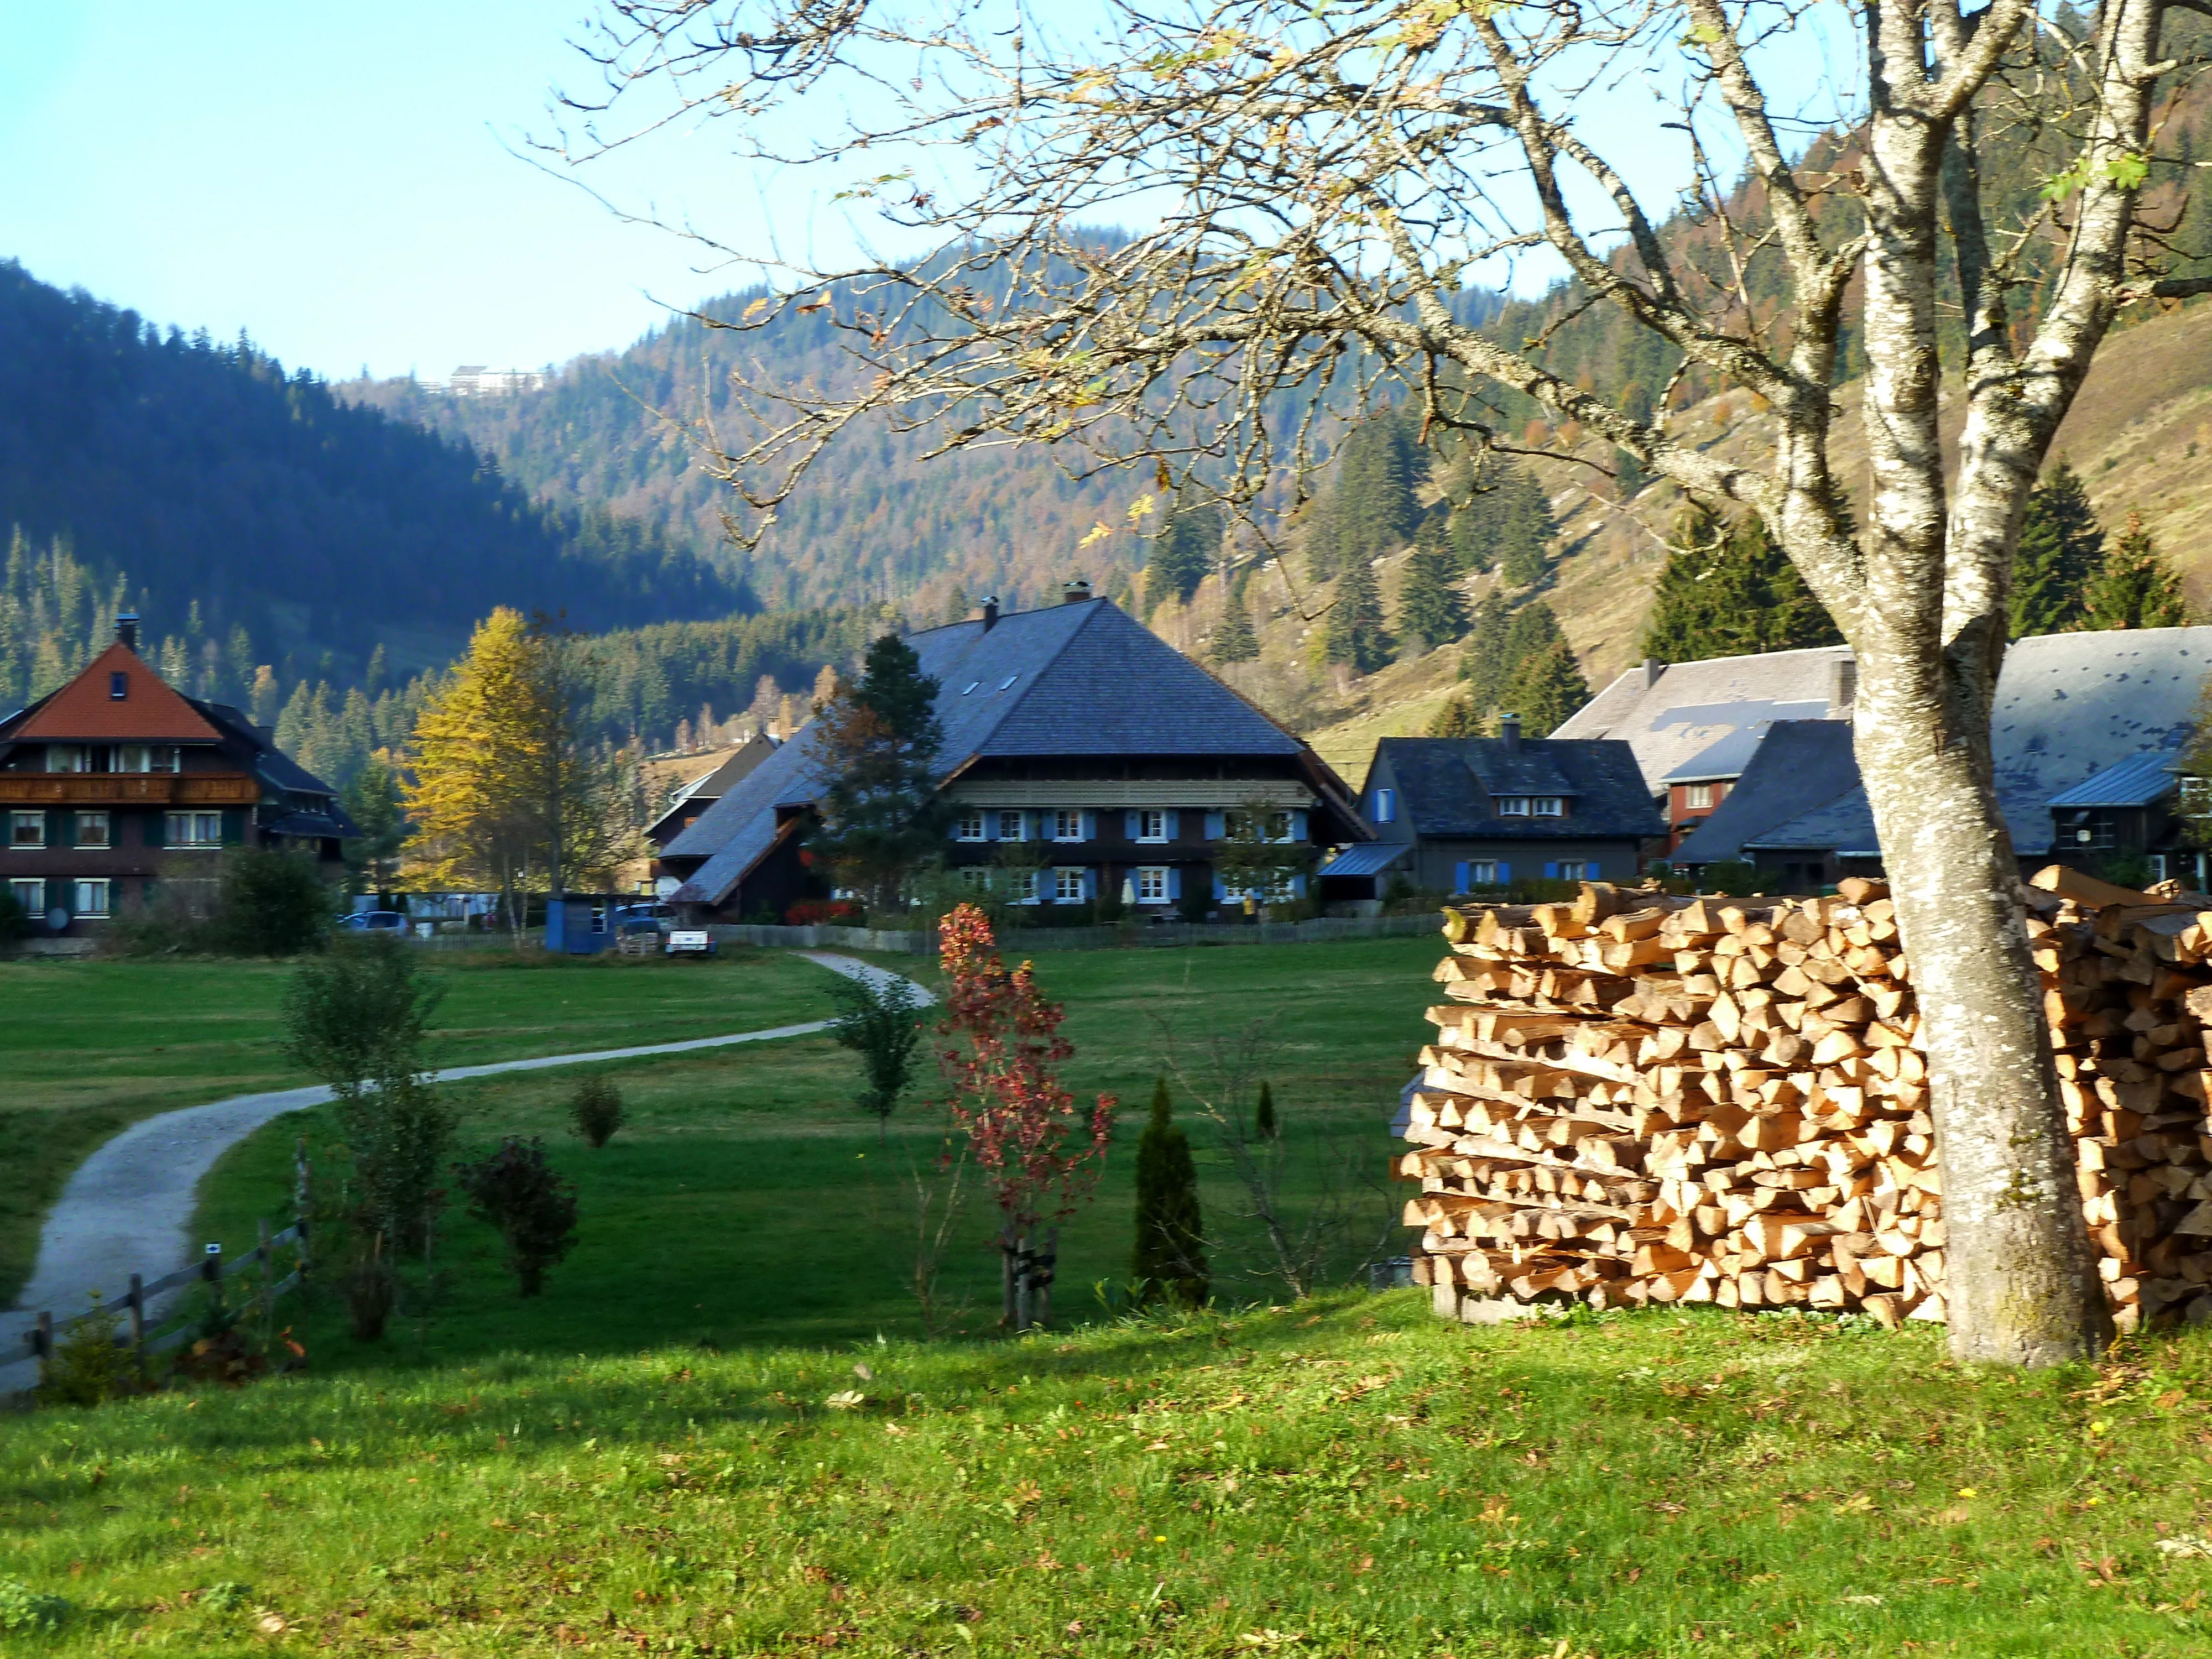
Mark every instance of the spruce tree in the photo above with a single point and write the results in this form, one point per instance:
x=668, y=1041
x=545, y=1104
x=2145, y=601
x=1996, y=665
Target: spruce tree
x=881, y=815
x=1234, y=640
x=1355, y=633
x=2135, y=587
x=1169, y=1258
x=1188, y=546
x=2062, y=548
x=1730, y=591
x=1431, y=609
x=1525, y=531
x=1483, y=663
x=1263, y=1121
x=1457, y=718
x=1546, y=687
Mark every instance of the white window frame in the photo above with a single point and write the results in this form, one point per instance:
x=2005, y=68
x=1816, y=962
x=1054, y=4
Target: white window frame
x=147, y=757
x=1151, y=824
x=1151, y=883
x=1512, y=806
x=93, y=897
x=1549, y=806
x=1023, y=890
x=30, y=892
x=106, y=822
x=1013, y=826
x=1696, y=796
x=70, y=757
x=1062, y=816
x=19, y=822
x=1577, y=870
x=977, y=877
x=1482, y=872
x=172, y=841
x=1385, y=809
x=969, y=824
x=1067, y=884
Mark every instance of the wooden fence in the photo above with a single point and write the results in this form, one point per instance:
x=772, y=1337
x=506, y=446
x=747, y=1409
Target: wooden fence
x=149, y=1336
x=923, y=941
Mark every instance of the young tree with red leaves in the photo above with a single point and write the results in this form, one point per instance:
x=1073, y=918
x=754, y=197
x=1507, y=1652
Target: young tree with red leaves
x=1000, y=1050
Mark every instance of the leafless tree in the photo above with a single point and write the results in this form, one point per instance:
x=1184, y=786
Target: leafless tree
x=1319, y=181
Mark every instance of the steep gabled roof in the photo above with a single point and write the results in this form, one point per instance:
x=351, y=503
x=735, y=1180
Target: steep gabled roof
x=1799, y=765
x=1670, y=713
x=1445, y=786
x=1066, y=682
x=87, y=711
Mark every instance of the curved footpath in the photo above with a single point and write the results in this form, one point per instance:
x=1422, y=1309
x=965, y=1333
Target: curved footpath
x=127, y=1207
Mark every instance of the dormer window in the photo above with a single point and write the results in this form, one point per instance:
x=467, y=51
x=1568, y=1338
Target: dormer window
x=1511, y=806
x=118, y=686
x=1549, y=806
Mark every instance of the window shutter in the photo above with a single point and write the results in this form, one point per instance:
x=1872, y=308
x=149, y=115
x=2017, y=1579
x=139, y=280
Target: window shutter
x=153, y=828
x=1298, y=826
x=1130, y=828
x=1505, y=871
x=1089, y=825
x=1551, y=873
x=1213, y=825
x=990, y=826
x=1174, y=882
x=61, y=829
x=234, y=825
x=1220, y=890
x=57, y=893
x=1174, y=825
x=1460, y=880
x=1297, y=886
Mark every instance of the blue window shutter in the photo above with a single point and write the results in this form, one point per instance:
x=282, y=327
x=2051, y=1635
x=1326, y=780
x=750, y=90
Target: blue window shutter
x=1174, y=882
x=1551, y=873
x=1174, y=825
x=1505, y=871
x=1089, y=878
x=1298, y=826
x=990, y=826
x=1297, y=886
x=1090, y=826
x=1213, y=826
x=1220, y=890
x=1460, y=881
x=58, y=893
x=1130, y=828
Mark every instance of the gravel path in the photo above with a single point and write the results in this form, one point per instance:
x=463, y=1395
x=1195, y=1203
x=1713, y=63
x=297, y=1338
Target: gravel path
x=127, y=1207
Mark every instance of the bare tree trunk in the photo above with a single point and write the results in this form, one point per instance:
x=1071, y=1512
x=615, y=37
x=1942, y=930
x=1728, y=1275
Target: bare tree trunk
x=2021, y=1285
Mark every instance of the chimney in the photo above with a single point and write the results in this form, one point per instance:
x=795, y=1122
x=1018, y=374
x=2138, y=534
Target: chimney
x=1077, y=591
x=1652, y=669
x=126, y=630
x=1509, y=727
x=990, y=611
x=1843, y=688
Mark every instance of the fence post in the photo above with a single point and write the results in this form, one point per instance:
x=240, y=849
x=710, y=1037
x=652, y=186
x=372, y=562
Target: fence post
x=267, y=1276
x=138, y=1302
x=42, y=1340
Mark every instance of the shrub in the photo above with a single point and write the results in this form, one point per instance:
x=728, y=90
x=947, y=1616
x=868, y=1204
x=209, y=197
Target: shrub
x=534, y=1209
x=1170, y=1259
x=879, y=1020
x=15, y=920
x=828, y=913
x=1264, y=1125
x=369, y=1289
x=89, y=1367
x=24, y=1610
x=272, y=903
x=596, y=1108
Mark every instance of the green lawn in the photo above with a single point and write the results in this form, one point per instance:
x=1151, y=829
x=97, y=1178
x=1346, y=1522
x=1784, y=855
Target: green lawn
x=90, y=1047
x=749, y=1202
x=1353, y=1479
x=646, y=1459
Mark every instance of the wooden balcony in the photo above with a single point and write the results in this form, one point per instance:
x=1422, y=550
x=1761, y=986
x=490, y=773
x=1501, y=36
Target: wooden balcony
x=128, y=789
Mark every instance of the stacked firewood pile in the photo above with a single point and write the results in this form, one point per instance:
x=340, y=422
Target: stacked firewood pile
x=1636, y=1098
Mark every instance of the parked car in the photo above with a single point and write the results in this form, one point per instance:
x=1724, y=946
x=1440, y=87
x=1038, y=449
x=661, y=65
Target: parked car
x=375, y=922
x=692, y=942
x=662, y=916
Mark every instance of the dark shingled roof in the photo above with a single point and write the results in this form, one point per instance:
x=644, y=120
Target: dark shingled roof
x=1445, y=786
x=1068, y=681
x=1799, y=765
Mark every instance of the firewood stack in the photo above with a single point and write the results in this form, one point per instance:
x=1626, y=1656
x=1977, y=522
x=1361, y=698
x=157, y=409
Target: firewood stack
x=1636, y=1098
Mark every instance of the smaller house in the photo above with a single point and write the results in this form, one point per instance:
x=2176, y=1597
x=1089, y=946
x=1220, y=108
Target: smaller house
x=2129, y=810
x=1794, y=768
x=689, y=799
x=1458, y=813
x=117, y=783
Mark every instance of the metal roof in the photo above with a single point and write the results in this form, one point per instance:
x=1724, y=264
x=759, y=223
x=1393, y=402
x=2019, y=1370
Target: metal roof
x=1732, y=755
x=1671, y=713
x=1370, y=858
x=2138, y=781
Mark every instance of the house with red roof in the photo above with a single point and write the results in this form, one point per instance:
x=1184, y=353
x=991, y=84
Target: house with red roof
x=119, y=783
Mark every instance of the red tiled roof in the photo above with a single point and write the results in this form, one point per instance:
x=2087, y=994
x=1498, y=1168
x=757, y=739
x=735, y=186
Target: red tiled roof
x=86, y=711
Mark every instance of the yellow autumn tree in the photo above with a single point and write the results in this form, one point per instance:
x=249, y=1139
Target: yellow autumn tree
x=504, y=789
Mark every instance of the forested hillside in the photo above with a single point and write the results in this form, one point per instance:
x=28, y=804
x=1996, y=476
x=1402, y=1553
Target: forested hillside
x=258, y=520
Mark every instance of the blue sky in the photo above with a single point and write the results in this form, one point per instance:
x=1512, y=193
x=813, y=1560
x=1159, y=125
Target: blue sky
x=332, y=178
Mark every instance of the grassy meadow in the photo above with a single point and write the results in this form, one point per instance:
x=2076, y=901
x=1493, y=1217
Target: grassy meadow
x=718, y=1432
x=89, y=1047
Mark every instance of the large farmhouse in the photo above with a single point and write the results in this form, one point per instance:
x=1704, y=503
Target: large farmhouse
x=118, y=783
x=1116, y=763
